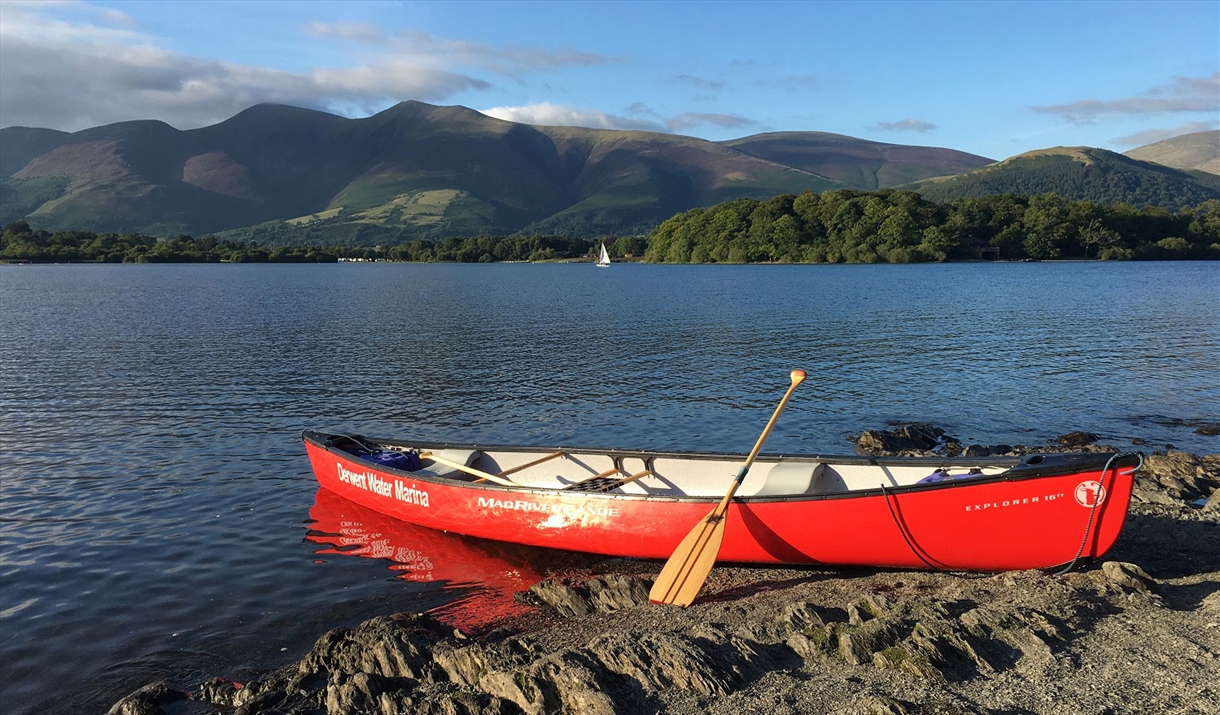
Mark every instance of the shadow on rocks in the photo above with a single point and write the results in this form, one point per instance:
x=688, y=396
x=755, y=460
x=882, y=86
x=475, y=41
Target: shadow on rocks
x=1171, y=546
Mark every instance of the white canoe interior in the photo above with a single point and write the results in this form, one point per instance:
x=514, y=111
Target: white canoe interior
x=682, y=475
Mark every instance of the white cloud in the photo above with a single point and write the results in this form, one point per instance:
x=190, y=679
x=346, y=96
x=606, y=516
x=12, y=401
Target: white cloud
x=548, y=114
x=1183, y=94
x=791, y=83
x=711, y=85
x=905, y=125
x=509, y=61
x=690, y=120
x=361, y=32
x=70, y=65
x=557, y=115
x=641, y=108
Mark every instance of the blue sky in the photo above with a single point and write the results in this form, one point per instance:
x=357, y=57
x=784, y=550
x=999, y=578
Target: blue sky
x=990, y=78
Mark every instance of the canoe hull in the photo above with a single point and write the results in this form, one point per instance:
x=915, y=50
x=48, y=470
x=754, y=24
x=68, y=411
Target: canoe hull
x=990, y=524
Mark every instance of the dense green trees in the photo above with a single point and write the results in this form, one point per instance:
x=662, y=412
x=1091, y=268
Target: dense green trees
x=488, y=249
x=19, y=242
x=842, y=226
x=902, y=227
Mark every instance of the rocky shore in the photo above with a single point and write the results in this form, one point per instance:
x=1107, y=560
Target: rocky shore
x=1138, y=632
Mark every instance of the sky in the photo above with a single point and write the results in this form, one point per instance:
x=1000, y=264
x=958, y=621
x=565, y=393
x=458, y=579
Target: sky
x=988, y=77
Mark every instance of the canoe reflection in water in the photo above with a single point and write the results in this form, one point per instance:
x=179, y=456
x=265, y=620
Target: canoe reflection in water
x=489, y=572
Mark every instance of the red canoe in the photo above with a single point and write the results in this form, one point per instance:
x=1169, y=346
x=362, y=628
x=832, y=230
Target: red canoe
x=985, y=514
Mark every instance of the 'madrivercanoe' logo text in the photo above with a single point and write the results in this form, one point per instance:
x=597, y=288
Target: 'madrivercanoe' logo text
x=570, y=510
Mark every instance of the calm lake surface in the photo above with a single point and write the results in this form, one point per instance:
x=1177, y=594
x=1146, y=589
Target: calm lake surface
x=158, y=516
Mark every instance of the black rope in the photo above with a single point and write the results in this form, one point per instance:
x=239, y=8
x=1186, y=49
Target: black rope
x=1101, y=482
x=886, y=497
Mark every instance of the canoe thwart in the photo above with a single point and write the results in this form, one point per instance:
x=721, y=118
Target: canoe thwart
x=536, y=462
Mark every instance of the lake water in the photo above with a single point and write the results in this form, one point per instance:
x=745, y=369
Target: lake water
x=157, y=512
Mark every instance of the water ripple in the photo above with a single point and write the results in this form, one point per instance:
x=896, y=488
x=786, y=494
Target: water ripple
x=155, y=495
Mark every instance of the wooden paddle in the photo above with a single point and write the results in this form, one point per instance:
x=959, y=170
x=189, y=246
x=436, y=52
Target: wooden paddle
x=683, y=575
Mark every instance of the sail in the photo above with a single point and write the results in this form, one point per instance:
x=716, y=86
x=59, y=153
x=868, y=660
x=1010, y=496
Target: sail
x=604, y=259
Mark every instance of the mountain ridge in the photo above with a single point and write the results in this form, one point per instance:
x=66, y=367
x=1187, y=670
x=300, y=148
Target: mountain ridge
x=292, y=174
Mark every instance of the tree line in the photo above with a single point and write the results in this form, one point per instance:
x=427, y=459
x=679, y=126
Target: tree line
x=846, y=226
x=18, y=242
x=842, y=226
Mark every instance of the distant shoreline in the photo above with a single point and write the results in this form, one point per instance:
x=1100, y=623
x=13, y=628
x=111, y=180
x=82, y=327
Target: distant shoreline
x=973, y=261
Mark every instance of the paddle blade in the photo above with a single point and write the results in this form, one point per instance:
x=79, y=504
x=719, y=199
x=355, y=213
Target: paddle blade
x=683, y=575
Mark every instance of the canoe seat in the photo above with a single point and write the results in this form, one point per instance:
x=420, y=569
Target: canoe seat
x=827, y=481
x=789, y=478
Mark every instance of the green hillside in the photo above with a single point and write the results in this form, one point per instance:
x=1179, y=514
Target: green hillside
x=1199, y=151
x=19, y=145
x=1077, y=173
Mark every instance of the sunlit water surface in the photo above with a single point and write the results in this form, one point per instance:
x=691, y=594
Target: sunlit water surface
x=157, y=512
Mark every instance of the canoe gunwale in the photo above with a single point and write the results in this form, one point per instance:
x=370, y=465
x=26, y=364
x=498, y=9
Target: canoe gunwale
x=1029, y=467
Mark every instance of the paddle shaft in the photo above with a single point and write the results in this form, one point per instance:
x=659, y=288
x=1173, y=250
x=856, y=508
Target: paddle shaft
x=741, y=473
x=683, y=575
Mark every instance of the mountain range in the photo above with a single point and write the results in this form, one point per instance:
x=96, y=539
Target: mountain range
x=290, y=175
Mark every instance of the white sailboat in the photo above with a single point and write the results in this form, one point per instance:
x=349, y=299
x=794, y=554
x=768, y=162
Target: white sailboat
x=603, y=261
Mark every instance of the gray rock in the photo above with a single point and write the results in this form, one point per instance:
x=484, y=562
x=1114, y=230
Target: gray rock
x=389, y=646
x=606, y=594
x=616, y=592
x=669, y=660
x=148, y=700
x=1076, y=439
x=866, y=609
x=1129, y=578
x=359, y=692
x=563, y=682
x=813, y=642
x=224, y=692
x=801, y=616
x=1149, y=491
x=857, y=645
x=465, y=666
x=1183, y=476
x=914, y=438
x=994, y=450
x=561, y=597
